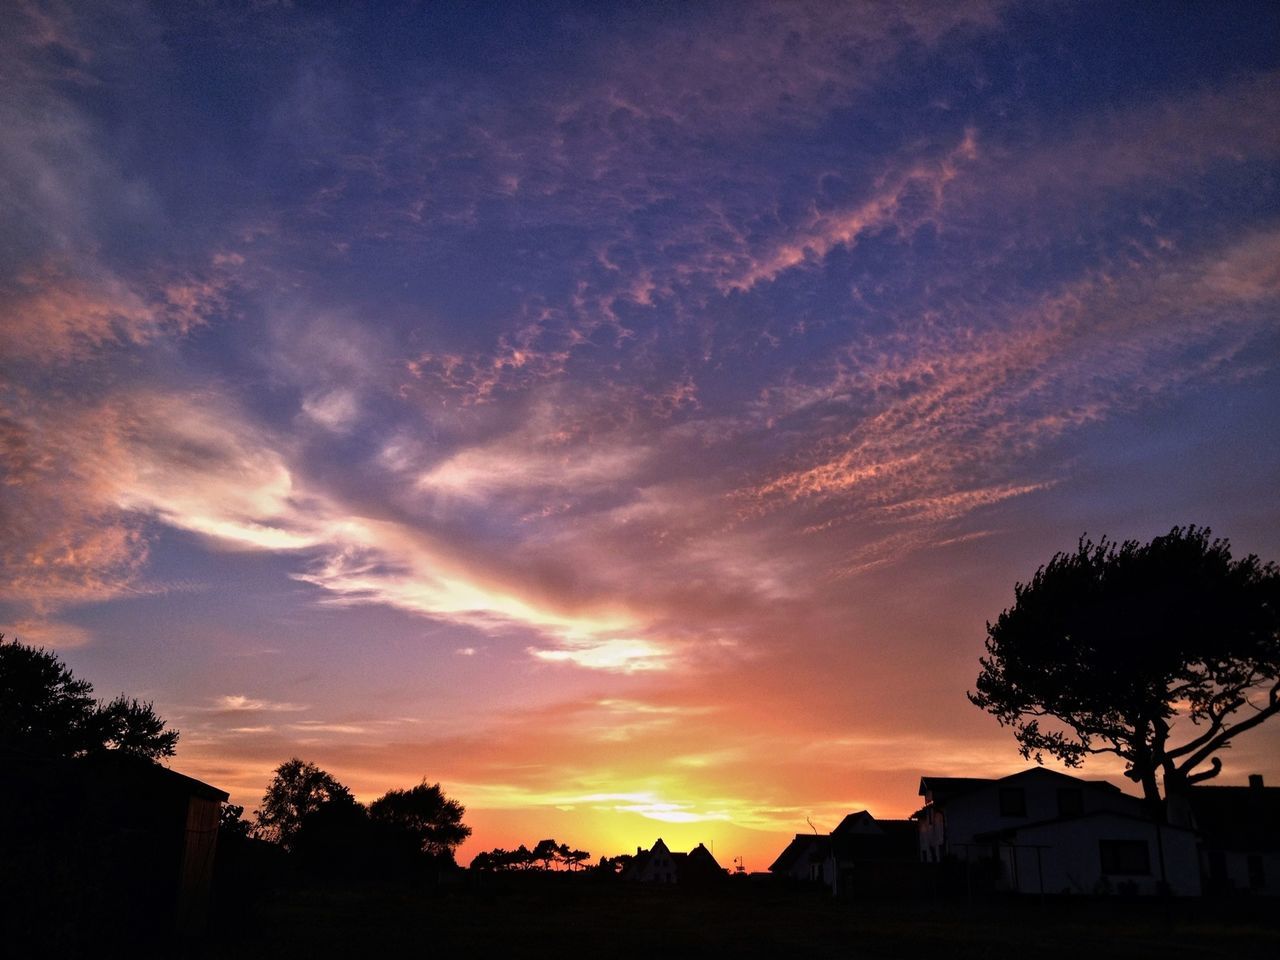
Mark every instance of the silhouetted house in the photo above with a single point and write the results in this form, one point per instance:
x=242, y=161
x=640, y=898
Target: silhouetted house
x=659, y=864
x=803, y=858
x=1040, y=831
x=1239, y=836
x=117, y=840
x=862, y=855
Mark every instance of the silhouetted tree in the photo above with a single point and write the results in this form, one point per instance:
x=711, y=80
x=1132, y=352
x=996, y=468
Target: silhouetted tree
x=521, y=858
x=45, y=710
x=297, y=790
x=423, y=812
x=231, y=822
x=337, y=839
x=546, y=851
x=612, y=866
x=1111, y=645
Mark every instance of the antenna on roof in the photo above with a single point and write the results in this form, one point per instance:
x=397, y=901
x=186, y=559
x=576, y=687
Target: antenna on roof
x=811, y=826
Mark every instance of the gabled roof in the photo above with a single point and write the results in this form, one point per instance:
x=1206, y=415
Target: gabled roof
x=697, y=862
x=860, y=822
x=895, y=840
x=805, y=845
x=944, y=789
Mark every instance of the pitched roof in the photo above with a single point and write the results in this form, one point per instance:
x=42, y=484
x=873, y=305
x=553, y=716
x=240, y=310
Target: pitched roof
x=892, y=840
x=110, y=770
x=809, y=845
x=697, y=862
x=944, y=789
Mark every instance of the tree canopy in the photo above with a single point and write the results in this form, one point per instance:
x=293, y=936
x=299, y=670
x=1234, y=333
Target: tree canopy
x=1160, y=653
x=46, y=710
x=425, y=813
x=298, y=790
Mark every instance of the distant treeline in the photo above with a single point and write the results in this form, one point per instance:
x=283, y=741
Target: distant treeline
x=546, y=855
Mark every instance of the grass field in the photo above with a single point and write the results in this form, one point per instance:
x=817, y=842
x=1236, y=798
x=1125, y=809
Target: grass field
x=737, y=920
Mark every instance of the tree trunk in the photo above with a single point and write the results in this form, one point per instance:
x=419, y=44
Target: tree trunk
x=1151, y=794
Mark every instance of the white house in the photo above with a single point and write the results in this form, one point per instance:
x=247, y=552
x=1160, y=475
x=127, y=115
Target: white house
x=1099, y=852
x=1041, y=831
x=659, y=864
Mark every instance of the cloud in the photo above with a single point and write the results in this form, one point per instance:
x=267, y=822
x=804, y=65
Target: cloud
x=625, y=655
x=934, y=411
x=239, y=703
x=193, y=463
x=887, y=206
x=63, y=543
x=48, y=633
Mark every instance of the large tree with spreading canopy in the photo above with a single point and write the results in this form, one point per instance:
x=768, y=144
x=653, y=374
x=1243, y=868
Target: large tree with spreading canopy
x=46, y=710
x=1161, y=653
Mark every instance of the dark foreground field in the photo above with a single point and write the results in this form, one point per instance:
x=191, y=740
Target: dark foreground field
x=740, y=920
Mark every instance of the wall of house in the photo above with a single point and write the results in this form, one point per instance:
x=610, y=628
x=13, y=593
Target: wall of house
x=932, y=834
x=964, y=817
x=1072, y=862
x=804, y=867
x=661, y=868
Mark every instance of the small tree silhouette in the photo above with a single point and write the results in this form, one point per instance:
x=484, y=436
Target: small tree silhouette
x=546, y=851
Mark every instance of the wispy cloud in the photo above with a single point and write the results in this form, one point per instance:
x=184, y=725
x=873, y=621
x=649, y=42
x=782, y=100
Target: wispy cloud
x=239, y=703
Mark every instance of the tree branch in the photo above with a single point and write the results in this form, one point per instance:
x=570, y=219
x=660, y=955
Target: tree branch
x=1228, y=733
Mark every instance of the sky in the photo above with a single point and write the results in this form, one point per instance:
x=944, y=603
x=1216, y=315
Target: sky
x=627, y=415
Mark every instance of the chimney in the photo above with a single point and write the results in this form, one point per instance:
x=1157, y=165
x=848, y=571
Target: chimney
x=1255, y=781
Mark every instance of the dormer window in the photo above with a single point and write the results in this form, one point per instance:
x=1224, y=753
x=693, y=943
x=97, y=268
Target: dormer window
x=1013, y=802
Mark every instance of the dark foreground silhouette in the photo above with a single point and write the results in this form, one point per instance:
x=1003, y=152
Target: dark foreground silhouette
x=562, y=914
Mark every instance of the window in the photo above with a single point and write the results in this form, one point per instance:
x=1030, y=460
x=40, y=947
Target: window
x=1070, y=802
x=1125, y=857
x=1013, y=802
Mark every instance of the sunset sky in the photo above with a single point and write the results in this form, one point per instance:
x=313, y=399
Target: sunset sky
x=628, y=415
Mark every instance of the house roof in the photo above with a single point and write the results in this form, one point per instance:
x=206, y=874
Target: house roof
x=111, y=771
x=945, y=789
x=893, y=844
x=805, y=845
x=696, y=862
x=1238, y=818
x=859, y=836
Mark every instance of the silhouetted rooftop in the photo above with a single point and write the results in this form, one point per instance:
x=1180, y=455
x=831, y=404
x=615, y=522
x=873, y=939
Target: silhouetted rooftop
x=1238, y=818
